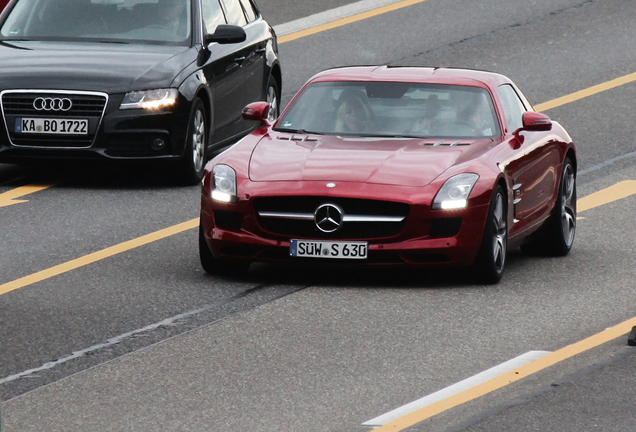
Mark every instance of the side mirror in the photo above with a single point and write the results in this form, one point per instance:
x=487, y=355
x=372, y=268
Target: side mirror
x=226, y=34
x=534, y=121
x=257, y=111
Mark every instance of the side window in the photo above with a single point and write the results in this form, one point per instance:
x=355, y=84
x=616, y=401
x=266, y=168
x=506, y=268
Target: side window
x=249, y=10
x=212, y=15
x=235, y=14
x=512, y=106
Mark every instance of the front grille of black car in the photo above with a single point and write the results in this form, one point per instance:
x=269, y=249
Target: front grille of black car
x=85, y=105
x=294, y=217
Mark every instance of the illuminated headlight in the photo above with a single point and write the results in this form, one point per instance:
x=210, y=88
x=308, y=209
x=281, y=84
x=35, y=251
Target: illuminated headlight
x=454, y=194
x=224, y=184
x=150, y=99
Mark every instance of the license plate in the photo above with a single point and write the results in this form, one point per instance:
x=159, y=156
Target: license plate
x=328, y=249
x=51, y=126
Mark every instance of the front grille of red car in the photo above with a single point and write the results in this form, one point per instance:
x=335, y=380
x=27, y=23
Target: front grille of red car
x=294, y=217
x=18, y=104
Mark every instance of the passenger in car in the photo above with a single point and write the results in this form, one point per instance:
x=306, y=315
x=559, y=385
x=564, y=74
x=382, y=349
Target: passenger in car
x=353, y=115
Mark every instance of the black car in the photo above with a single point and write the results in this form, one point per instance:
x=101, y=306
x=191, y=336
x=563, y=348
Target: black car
x=132, y=79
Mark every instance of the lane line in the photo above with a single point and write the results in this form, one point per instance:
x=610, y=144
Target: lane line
x=11, y=197
x=97, y=256
x=606, y=163
x=131, y=244
x=455, y=388
x=475, y=387
x=347, y=20
x=329, y=16
x=613, y=193
x=510, y=377
x=167, y=322
x=590, y=91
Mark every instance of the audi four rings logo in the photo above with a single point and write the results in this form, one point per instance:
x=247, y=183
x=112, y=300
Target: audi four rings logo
x=52, y=104
x=329, y=218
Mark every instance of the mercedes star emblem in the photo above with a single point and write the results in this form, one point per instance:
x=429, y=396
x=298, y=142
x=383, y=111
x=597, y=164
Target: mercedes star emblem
x=328, y=218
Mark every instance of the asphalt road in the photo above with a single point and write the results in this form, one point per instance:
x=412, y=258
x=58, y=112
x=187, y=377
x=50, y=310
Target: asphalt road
x=143, y=340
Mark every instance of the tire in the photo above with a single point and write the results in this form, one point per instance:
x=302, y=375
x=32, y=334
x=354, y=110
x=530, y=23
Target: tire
x=194, y=158
x=214, y=266
x=273, y=99
x=490, y=263
x=558, y=236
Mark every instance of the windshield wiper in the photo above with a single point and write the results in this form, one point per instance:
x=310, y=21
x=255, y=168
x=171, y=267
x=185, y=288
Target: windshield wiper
x=8, y=44
x=298, y=131
x=113, y=42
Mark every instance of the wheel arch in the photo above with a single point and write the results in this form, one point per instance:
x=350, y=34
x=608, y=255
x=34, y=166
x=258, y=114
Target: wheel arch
x=206, y=99
x=571, y=153
x=278, y=75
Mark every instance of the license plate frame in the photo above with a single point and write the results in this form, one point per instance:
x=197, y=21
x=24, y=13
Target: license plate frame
x=51, y=126
x=340, y=250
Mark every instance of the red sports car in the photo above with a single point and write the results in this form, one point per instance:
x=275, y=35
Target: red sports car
x=393, y=166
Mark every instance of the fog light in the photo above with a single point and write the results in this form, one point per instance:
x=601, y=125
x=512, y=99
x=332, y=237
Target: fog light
x=158, y=144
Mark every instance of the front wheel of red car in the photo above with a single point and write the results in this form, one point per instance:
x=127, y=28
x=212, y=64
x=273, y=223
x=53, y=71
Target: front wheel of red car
x=558, y=237
x=490, y=264
x=214, y=266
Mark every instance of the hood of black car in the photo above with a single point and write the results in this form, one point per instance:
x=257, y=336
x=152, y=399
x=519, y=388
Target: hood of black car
x=110, y=68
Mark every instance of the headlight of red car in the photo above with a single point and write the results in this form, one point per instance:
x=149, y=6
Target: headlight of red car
x=454, y=194
x=224, y=184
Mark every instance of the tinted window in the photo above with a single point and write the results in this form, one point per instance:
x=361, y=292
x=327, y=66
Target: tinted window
x=234, y=12
x=147, y=21
x=513, y=107
x=212, y=15
x=249, y=10
x=393, y=109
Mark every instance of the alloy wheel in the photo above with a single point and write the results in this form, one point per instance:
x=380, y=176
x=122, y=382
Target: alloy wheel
x=499, y=234
x=198, y=141
x=568, y=205
x=272, y=100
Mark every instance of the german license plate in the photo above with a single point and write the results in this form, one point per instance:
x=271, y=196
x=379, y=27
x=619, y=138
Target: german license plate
x=51, y=126
x=328, y=249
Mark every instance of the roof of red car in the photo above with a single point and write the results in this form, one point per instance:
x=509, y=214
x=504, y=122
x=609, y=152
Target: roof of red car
x=450, y=76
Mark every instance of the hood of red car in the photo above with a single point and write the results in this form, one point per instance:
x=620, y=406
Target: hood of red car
x=406, y=162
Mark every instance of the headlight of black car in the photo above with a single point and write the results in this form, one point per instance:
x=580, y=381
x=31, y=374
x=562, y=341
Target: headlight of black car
x=150, y=99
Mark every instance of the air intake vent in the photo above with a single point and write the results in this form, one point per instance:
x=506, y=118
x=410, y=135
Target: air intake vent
x=42, y=105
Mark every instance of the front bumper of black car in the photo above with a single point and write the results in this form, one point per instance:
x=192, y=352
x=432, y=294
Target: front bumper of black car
x=112, y=133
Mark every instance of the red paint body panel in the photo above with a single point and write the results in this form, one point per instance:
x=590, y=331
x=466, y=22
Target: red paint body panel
x=411, y=171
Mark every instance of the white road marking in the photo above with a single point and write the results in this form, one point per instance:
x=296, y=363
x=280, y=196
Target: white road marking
x=330, y=15
x=173, y=321
x=456, y=388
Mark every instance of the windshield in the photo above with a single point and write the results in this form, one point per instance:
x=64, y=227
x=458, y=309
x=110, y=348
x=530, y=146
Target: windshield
x=393, y=110
x=145, y=21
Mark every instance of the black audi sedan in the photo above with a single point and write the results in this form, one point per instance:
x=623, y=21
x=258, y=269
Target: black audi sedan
x=161, y=80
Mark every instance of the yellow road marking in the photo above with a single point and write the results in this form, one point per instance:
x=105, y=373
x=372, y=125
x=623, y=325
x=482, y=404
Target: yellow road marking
x=586, y=92
x=613, y=193
x=619, y=191
x=616, y=192
x=348, y=20
x=508, y=378
x=97, y=256
x=11, y=197
x=8, y=197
